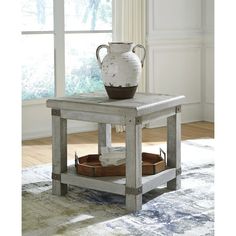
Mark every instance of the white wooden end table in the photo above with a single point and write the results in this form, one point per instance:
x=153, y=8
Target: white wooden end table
x=132, y=113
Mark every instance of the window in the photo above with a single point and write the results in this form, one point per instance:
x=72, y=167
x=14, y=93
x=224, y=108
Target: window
x=87, y=25
x=37, y=49
x=83, y=26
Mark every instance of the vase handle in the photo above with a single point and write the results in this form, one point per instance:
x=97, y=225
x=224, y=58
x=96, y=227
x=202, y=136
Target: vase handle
x=97, y=53
x=144, y=52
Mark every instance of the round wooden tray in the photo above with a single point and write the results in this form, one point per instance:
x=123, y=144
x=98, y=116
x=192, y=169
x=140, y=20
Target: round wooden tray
x=90, y=165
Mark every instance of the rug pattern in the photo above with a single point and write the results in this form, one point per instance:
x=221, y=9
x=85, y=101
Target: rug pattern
x=188, y=211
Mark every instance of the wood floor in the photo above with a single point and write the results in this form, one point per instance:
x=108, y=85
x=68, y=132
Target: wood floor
x=38, y=151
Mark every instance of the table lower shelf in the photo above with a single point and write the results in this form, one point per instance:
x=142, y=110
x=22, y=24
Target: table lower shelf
x=115, y=184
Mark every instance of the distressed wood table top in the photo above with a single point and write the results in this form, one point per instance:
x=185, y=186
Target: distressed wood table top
x=141, y=104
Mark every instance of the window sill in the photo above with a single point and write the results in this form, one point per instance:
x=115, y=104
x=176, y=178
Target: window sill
x=34, y=102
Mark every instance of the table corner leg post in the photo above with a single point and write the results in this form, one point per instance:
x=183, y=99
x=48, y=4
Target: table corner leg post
x=174, y=184
x=133, y=202
x=174, y=148
x=58, y=188
x=133, y=165
x=59, y=153
x=104, y=136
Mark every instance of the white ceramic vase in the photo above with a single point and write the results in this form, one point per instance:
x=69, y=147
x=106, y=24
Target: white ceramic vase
x=121, y=69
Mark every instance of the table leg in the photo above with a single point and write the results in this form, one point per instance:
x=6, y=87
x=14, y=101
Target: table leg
x=59, y=152
x=104, y=136
x=174, y=147
x=133, y=165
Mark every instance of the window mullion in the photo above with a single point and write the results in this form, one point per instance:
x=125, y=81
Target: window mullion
x=36, y=32
x=87, y=31
x=59, y=47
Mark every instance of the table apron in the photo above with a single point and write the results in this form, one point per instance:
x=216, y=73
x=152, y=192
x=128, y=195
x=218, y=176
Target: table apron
x=158, y=114
x=114, y=119
x=93, y=117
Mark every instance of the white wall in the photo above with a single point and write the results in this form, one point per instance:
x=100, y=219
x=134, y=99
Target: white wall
x=180, y=54
x=208, y=60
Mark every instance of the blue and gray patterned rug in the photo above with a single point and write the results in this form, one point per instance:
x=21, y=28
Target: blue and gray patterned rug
x=188, y=211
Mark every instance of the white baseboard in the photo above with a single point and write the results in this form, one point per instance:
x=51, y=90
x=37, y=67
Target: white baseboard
x=72, y=128
x=208, y=109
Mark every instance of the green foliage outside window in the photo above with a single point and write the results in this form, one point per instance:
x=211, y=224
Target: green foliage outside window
x=86, y=78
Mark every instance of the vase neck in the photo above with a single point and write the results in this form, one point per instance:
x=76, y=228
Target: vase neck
x=120, y=47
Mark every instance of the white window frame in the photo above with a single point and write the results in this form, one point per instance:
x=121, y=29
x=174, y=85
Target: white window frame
x=59, y=48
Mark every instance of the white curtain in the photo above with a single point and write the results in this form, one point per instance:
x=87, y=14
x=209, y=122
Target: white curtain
x=129, y=24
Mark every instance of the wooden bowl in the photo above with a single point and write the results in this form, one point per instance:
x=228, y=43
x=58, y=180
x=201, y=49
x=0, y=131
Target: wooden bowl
x=90, y=165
